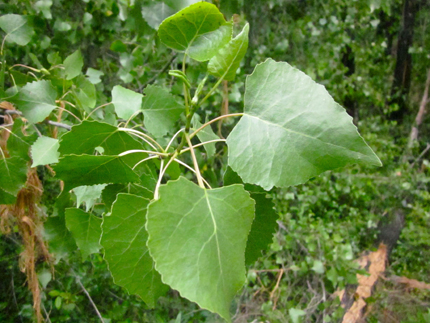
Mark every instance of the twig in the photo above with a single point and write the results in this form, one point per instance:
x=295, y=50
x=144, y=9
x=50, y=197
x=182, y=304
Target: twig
x=281, y=272
x=421, y=155
x=165, y=67
x=91, y=300
x=52, y=123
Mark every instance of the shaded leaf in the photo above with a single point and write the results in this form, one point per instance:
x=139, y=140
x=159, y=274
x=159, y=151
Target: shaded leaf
x=85, y=229
x=124, y=241
x=60, y=241
x=89, y=170
x=111, y=191
x=264, y=224
x=17, y=28
x=292, y=130
x=45, y=151
x=126, y=102
x=18, y=144
x=36, y=100
x=85, y=137
x=73, y=65
x=225, y=64
x=13, y=174
x=160, y=110
x=85, y=95
x=197, y=238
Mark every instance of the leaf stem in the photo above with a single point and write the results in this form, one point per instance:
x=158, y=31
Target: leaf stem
x=133, y=151
x=191, y=169
x=144, y=135
x=211, y=91
x=201, y=144
x=95, y=109
x=215, y=120
x=143, y=160
x=196, y=164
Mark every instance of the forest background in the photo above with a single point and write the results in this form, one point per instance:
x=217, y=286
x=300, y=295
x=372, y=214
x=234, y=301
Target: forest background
x=373, y=56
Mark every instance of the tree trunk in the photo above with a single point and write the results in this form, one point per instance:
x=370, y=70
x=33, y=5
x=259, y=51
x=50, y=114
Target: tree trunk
x=402, y=71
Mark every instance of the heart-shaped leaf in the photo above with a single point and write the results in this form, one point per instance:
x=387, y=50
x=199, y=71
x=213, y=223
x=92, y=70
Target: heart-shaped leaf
x=197, y=238
x=292, y=130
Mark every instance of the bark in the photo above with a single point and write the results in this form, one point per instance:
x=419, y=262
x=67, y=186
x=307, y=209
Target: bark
x=402, y=71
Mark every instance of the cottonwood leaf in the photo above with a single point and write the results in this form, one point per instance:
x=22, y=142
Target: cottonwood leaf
x=85, y=95
x=17, y=28
x=192, y=30
x=36, y=100
x=85, y=137
x=88, y=194
x=180, y=4
x=13, y=174
x=19, y=143
x=126, y=102
x=111, y=191
x=197, y=238
x=225, y=64
x=73, y=65
x=45, y=151
x=85, y=229
x=124, y=241
x=206, y=134
x=160, y=110
x=264, y=224
x=90, y=170
x=155, y=13
x=292, y=130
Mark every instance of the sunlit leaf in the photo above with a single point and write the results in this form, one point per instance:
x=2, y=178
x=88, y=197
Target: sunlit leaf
x=225, y=64
x=36, y=100
x=17, y=28
x=197, y=238
x=126, y=102
x=292, y=130
x=45, y=151
x=160, y=110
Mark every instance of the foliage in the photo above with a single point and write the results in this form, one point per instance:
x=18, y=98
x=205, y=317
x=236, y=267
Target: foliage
x=126, y=140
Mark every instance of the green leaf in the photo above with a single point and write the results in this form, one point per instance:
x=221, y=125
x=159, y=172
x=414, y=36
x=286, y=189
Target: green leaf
x=90, y=170
x=44, y=6
x=295, y=314
x=45, y=151
x=6, y=198
x=292, y=130
x=85, y=229
x=264, y=224
x=13, y=174
x=94, y=75
x=124, y=241
x=73, y=65
x=126, y=102
x=88, y=195
x=85, y=137
x=160, y=110
x=206, y=134
x=17, y=28
x=85, y=94
x=36, y=100
x=111, y=191
x=197, y=238
x=19, y=143
x=155, y=13
x=191, y=30
x=208, y=45
x=180, y=4
x=225, y=64
x=318, y=267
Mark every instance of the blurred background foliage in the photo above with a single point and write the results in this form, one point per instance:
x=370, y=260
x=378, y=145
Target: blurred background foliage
x=372, y=56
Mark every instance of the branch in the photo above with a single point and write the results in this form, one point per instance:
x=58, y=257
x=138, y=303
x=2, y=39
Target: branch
x=91, y=300
x=165, y=67
x=52, y=123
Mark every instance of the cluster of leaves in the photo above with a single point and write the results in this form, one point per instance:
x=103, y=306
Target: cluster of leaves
x=194, y=238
